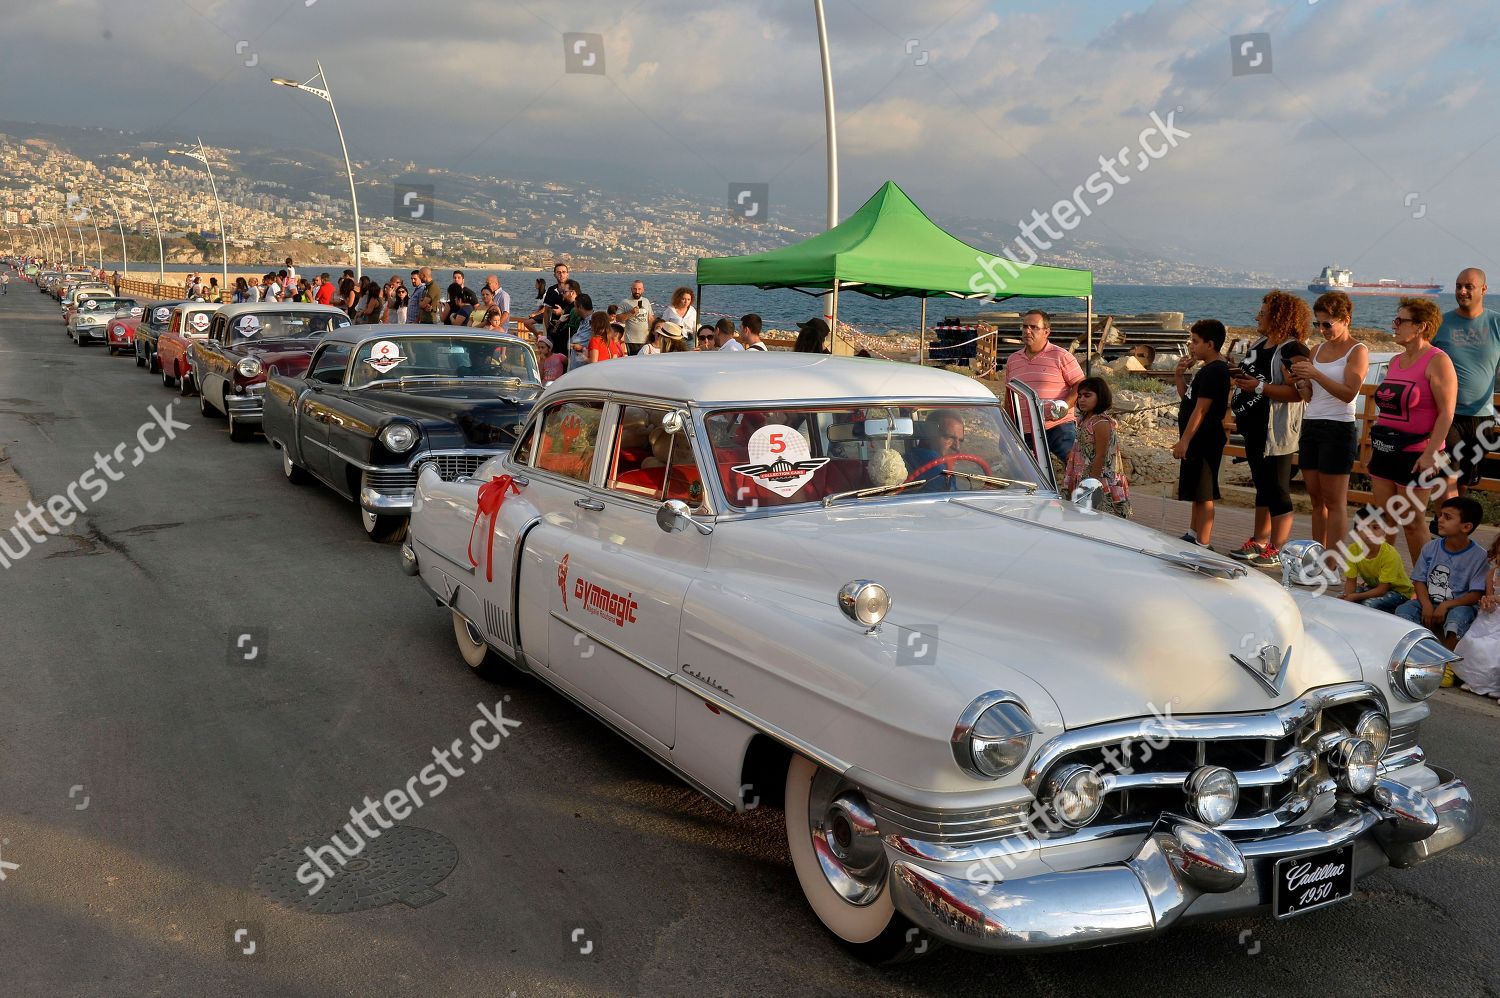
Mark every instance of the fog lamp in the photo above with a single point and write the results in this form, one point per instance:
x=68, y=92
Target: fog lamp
x=1213, y=794
x=1075, y=793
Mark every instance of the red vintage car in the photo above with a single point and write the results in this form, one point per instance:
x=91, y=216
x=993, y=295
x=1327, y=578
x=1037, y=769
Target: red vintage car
x=119, y=335
x=190, y=321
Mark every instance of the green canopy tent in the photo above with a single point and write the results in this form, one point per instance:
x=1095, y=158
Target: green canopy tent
x=889, y=248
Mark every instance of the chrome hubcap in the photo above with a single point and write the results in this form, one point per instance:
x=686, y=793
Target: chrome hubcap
x=845, y=839
x=475, y=638
x=286, y=462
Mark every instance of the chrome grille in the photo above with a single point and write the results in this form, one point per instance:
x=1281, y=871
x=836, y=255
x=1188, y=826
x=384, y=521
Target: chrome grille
x=951, y=827
x=1278, y=757
x=453, y=466
x=399, y=483
x=1403, y=739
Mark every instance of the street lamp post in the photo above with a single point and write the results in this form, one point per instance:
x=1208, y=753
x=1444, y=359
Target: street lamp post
x=69, y=236
x=161, y=255
x=98, y=243
x=202, y=156
x=831, y=301
x=124, y=253
x=323, y=92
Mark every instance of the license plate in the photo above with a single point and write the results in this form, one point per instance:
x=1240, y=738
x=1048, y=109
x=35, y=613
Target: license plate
x=1313, y=881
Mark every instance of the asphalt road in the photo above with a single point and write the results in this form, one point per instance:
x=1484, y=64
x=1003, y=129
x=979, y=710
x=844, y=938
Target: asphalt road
x=149, y=775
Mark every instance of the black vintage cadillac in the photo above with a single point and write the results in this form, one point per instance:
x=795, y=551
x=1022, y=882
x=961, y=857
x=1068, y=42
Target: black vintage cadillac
x=379, y=401
x=155, y=320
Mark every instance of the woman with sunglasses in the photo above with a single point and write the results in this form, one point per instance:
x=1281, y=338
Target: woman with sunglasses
x=1330, y=436
x=1416, y=403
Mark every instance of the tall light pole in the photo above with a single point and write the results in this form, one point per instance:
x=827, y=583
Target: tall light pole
x=202, y=156
x=831, y=301
x=161, y=255
x=124, y=253
x=348, y=167
x=98, y=244
x=69, y=236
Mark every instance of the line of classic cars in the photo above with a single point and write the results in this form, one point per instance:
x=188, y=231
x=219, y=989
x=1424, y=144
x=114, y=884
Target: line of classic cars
x=994, y=716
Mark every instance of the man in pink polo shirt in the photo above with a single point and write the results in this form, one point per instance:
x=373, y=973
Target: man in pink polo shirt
x=1053, y=374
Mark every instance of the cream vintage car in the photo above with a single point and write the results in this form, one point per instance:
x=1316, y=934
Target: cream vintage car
x=994, y=716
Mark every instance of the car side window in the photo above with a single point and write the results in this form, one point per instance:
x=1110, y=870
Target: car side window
x=520, y=454
x=328, y=366
x=568, y=438
x=647, y=462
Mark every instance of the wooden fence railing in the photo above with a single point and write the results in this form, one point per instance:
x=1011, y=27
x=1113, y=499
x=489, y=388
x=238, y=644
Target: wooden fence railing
x=1365, y=416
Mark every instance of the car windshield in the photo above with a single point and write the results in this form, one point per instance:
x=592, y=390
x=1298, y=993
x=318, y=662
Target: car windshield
x=777, y=457
x=108, y=306
x=448, y=358
x=284, y=325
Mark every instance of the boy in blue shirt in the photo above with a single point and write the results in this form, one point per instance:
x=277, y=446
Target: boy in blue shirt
x=1450, y=574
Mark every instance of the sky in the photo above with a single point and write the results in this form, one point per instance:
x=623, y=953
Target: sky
x=1307, y=132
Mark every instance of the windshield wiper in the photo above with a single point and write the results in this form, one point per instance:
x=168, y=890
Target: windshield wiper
x=878, y=490
x=1003, y=483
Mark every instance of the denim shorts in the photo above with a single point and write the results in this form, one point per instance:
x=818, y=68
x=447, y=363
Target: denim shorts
x=1457, y=622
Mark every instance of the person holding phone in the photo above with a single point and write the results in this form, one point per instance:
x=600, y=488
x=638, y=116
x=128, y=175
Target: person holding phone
x=636, y=313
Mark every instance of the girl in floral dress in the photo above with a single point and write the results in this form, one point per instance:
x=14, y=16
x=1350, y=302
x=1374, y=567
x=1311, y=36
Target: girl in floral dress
x=1097, y=451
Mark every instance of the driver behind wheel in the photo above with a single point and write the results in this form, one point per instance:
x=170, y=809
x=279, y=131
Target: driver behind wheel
x=942, y=437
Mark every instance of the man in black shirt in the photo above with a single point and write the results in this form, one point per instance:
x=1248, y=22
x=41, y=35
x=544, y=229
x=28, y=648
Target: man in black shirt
x=1200, y=425
x=552, y=301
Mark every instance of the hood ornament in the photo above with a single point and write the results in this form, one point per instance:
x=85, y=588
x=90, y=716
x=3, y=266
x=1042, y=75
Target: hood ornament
x=1269, y=668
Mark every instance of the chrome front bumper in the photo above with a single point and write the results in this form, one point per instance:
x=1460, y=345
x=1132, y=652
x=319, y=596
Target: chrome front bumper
x=372, y=501
x=1183, y=870
x=246, y=408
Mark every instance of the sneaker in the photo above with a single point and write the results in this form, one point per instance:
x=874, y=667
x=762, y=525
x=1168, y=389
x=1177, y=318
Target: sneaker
x=1248, y=550
x=1189, y=537
x=1266, y=557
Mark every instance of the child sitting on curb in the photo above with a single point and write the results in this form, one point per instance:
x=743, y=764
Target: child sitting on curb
x=1449, y=576
x=1376, y=576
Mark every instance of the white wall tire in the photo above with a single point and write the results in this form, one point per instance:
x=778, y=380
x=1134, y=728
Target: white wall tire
x=873, y=930
x=476, y=653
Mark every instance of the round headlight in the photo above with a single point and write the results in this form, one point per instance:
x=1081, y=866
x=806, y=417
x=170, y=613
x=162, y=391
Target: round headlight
x=398, y=438
x=1375, y=729
x=1354, y=762
x=865, y=602
x=249, y=368
x=1417, y=665
x=1213, y=793
x=1075, y=793
x=992, y=736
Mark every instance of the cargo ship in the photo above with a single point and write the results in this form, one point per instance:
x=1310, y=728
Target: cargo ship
x=1336, y=279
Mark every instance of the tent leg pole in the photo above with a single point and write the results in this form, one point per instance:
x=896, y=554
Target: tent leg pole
x=698, y=301
x=922, y=338
x=837, y=345
x=1088, y=360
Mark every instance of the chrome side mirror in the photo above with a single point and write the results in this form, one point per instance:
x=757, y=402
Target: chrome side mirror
x=675, y=515
x=1086, y=493
x=673, y=421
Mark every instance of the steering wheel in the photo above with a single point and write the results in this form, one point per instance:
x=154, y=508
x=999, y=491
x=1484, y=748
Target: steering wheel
x=949, y=459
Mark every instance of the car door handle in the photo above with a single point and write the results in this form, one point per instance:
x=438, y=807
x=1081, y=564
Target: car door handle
x=591, y=504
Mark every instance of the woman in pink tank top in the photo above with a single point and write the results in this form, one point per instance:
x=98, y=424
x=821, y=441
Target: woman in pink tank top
x=1415, y=402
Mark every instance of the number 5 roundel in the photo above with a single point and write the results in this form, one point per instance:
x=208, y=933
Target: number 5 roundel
x=779, y=460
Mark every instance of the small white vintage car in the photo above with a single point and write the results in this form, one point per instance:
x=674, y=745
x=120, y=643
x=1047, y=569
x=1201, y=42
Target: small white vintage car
x=994, y=716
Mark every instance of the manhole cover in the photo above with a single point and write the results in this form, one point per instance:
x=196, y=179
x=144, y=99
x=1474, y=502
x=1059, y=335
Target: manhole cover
x=404, y=864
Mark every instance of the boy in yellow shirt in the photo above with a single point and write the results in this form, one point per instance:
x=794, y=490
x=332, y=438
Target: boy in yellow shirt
x=1378, y=579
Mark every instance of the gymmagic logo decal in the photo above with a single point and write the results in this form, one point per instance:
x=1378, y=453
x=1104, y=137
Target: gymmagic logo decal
x=598, y=600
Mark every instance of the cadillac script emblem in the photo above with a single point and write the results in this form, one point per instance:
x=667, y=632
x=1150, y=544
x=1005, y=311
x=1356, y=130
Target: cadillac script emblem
x=1269, y=668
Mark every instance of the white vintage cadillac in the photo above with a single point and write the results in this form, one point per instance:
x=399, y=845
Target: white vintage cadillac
x=994, y=716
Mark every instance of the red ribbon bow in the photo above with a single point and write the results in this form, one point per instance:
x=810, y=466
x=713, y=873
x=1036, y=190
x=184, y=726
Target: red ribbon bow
x=491, y=497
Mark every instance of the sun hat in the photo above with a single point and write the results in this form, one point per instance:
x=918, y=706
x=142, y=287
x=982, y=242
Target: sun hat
x=670, y=330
